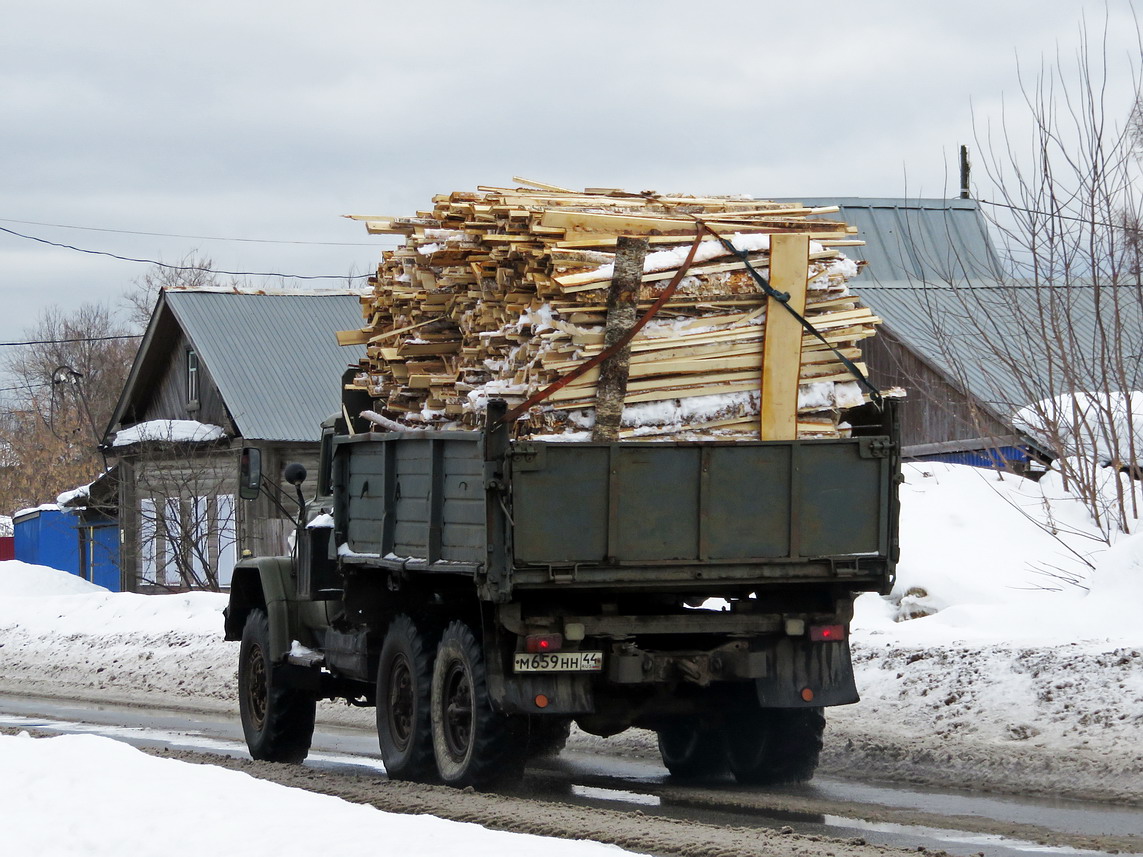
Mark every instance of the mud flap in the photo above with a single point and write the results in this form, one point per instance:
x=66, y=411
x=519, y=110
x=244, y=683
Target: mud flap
x=799, y=668
x=564, y=693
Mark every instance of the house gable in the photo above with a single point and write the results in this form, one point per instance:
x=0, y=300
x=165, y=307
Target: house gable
x=169, y=398
x=269, y=366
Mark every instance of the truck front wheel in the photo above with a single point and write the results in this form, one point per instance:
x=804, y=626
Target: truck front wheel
x=769, y=746
x=474, y=745
x=278, y=722
x=691, y=752
x=404, y=681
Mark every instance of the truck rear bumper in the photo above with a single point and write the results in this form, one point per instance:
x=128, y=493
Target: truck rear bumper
x=788, y=673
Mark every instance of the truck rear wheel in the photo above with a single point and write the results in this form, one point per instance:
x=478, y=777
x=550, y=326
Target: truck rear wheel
x=474, y=745
x=769, y=746
x=278, y=722
x=547, y=735
x=404, y=682
x=691, y=752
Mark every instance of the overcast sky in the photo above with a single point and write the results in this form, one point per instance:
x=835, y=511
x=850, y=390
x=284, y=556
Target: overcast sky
x=260, y=120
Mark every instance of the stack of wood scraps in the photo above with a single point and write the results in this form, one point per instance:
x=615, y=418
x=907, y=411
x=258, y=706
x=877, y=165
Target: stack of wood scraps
x=501, y=292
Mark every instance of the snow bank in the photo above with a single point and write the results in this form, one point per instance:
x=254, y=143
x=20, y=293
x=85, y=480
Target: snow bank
x=109, y=790
x=1090, y=424
x=24, y=580
x=977, y=545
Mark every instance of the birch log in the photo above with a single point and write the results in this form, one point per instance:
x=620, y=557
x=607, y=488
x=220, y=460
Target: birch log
x=622, y=296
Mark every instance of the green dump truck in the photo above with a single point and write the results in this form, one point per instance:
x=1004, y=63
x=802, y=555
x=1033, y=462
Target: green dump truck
x=484, y=593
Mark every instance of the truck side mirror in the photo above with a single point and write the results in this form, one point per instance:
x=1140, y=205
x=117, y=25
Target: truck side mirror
x=250, y=473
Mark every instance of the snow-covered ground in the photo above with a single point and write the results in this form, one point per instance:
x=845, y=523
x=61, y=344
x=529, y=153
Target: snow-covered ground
x=120, y=801
x=1007, y=656
x=1027, y=670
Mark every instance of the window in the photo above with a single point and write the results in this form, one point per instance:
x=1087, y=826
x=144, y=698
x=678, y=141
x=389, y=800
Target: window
x=192, y=379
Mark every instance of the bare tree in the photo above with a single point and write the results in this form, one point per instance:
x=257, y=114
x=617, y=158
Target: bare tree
x=67, y=381
x=192, y=272
x=186, y=513
x=1058, y=330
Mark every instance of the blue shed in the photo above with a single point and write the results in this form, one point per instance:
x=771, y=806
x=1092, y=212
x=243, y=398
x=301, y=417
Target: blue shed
x=47, y=536
x=99, y=549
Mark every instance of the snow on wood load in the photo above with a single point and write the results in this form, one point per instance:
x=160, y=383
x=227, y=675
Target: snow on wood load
x=499, y=293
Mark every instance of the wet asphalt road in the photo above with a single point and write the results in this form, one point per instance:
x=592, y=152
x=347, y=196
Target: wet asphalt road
x=904, y=817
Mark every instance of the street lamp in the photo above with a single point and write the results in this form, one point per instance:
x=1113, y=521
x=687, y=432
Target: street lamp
x=67, y=375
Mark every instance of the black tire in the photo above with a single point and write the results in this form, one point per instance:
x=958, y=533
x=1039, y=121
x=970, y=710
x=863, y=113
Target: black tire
x=547, y=735
x=473, y=744
x=404, y=682
x=691, y=752
x=771, y=746
x=278, y=722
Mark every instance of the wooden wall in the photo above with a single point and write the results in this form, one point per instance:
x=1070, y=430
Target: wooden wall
x=168, y=397
x=936, y=410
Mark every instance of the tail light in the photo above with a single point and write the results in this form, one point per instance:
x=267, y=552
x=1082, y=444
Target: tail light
x=826, y=633
x=540, y=643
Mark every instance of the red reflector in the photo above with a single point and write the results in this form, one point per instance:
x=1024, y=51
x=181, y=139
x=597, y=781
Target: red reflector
x=821, y=633
x=539, y=643
x=807, y=694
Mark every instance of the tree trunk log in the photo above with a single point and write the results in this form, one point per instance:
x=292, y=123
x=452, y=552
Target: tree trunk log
x=622, y=297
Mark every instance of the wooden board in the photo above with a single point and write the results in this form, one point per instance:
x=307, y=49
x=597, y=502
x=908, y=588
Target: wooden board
x=782, y=344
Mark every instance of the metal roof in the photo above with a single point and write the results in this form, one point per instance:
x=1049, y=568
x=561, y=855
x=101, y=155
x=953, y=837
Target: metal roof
x=933, y=240
x=934, y=276
x=274, y=356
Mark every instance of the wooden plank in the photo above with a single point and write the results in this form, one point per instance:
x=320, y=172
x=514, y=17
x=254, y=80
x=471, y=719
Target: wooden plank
x=352, y=337
x=782, y=345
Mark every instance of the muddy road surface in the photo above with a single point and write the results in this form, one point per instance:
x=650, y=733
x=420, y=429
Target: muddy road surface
x=617, y=792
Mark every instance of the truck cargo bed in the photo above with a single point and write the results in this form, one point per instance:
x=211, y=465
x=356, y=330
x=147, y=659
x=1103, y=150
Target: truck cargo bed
x=629, y=513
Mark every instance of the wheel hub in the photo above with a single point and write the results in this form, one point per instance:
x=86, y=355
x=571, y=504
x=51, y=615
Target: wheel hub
x=457, y=712
x=258, y=687
x=401, y=702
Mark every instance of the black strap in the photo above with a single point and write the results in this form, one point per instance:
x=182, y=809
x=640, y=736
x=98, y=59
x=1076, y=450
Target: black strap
x=784, y=299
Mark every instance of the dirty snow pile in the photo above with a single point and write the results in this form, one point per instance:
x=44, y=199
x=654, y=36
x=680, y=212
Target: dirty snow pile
x=1009, y=653
x=109, y=791
x=1007, y=656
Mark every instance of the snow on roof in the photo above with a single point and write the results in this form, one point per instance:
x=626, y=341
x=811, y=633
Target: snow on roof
x=45, y=507
x=168, y=431
x=69, y=498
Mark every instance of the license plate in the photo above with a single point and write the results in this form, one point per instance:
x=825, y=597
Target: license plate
x=558, y=662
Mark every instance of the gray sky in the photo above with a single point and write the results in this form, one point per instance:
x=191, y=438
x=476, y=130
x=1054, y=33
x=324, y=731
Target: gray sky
x=262, y=120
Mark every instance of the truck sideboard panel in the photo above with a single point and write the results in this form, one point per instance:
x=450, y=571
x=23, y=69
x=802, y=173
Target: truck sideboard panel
x=418, y=495
x=622, y=514
x=705, y=502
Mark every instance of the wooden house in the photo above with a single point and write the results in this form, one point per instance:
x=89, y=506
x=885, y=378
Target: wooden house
x=926, y=261
x=217, y=371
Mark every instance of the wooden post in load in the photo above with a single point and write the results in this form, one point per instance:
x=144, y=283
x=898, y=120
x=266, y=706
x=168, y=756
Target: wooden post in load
x=782, y=345
x=622, y=298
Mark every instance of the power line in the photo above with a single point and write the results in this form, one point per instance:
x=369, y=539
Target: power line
x=67, y=341
x=187, y=267
x=1124, y=226
x=192, y=237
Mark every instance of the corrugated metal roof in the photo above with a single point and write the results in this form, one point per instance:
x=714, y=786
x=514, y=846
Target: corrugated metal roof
x=274, y=357
x=934, y=276
x=934, y=240
x=1003, y=341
